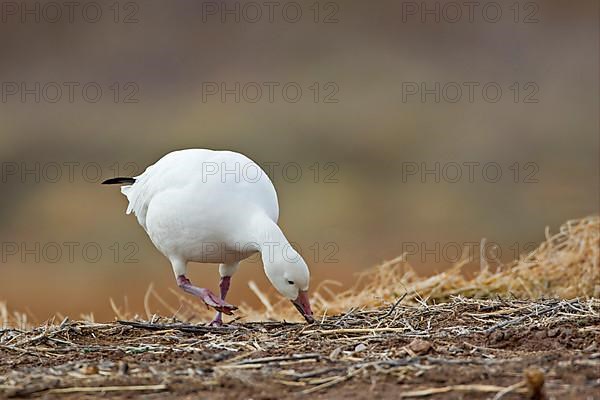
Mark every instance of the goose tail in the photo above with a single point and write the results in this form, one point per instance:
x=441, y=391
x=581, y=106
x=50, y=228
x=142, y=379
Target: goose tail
x=119, y=181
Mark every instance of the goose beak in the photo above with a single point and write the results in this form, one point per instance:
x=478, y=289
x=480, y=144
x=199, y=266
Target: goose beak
x=303, y=306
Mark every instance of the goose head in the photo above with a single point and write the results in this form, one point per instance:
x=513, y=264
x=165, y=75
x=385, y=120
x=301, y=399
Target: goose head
x=288, y=273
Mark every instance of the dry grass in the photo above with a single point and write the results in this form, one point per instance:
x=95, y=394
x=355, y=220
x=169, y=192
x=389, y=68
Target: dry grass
x=566, y=266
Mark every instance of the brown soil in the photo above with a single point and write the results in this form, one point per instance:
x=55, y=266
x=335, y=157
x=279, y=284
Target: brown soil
x=466, y=349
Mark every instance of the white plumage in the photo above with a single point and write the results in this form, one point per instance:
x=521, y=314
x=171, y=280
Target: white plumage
x=216, y=207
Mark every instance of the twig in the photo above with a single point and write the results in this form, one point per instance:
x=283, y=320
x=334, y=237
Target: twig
x=509, y=389
x=78, y=389
x=293, y=357
x=334, y=381
x=354, y=330
x=395, y=305
x=456, y=388
x=180, y=327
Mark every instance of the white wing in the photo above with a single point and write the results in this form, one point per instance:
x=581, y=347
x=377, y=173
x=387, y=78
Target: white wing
x=202, y=173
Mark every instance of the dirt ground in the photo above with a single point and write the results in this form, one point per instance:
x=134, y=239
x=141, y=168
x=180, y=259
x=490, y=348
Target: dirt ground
x=465, y=349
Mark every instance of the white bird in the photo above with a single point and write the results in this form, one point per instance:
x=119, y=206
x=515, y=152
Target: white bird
x=213, y=206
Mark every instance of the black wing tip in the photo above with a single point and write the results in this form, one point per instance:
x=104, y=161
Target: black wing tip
x=118, y=181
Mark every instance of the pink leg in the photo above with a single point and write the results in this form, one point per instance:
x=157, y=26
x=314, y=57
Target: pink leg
x=208, y=297
x=224, y=288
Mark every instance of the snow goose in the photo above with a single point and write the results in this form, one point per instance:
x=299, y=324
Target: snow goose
x=220, y=207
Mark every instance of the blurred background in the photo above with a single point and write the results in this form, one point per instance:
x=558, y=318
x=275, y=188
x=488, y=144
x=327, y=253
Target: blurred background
x=387, y=127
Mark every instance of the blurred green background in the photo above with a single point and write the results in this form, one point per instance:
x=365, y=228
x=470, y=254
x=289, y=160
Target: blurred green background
x=363, y=131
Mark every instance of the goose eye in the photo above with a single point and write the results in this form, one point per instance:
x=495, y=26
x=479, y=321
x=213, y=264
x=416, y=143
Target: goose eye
x=291, y=282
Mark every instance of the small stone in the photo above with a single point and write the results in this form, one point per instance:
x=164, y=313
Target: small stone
x=419, y=346
x=360, y=347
